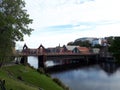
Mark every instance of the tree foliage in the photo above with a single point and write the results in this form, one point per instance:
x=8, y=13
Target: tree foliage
x=109, y=40
x=14, y=22
x=115, y=48
x=81, y=43
x=97, y=46
x=14, y=18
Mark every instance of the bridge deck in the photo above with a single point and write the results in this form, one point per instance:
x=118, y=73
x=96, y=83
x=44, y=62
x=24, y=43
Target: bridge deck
x=58, y=54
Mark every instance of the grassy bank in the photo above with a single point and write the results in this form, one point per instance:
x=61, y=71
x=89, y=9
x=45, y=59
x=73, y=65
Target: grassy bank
x=21, y=77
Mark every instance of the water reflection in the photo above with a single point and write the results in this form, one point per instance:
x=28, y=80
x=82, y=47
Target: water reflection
x=33, y=61
x=103, y=76
x=109, y=68
x=90, y=78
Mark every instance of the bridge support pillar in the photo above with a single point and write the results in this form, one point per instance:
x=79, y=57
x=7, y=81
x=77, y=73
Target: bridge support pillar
x=87, y=59
x=24, y=60
x=97, y=58
x=41, y=61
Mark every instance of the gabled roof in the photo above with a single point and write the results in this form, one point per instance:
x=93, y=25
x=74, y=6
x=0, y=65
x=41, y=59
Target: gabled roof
x=41, y=46
x=70, y=48
x=25, y=47
x=82, y=49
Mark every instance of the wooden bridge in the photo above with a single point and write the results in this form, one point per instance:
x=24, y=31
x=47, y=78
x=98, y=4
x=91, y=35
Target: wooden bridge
x=62, y=54
x=64, y=58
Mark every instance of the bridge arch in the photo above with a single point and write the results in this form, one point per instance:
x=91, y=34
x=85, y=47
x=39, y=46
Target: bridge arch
x=41, y=49
x=25, y=47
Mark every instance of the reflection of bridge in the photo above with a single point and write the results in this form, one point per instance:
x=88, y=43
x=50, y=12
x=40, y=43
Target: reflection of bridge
x=64, y=57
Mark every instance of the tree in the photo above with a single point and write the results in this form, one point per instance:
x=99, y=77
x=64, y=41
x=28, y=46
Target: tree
x=14, y=22
x=115, y=48
x=97, y=46
x=70, y=43
x=80, y=43
x=109, y=39
x=85, y=43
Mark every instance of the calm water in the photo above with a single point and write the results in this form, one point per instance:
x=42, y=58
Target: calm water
x=33, y=61
x=94, y=77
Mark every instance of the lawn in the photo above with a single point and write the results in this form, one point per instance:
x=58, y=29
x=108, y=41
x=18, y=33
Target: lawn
x=19, y=77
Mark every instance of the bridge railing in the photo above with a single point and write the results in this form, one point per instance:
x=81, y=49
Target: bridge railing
x=65, y=53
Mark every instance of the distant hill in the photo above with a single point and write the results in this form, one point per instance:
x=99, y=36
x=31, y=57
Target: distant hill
x=90, y=39
x=85, y=42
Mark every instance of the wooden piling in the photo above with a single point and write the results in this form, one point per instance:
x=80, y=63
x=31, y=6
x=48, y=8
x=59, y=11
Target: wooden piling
x=24, y=60
x=41, y=61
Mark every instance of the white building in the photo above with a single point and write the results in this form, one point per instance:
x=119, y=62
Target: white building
x=97, y=41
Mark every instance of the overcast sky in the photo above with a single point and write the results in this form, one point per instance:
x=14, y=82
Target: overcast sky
x=61, y=21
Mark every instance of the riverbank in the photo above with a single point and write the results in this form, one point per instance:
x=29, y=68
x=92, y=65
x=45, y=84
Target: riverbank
x=20, y=77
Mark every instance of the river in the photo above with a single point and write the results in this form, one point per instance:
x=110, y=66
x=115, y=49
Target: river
x=105, y=76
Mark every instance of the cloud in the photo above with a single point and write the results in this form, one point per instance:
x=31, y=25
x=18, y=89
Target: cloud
x=56, y=12
x=62, y=12
x=61, y=21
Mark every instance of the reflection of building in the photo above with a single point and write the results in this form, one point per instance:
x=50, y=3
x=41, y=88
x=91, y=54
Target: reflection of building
x=109, y=68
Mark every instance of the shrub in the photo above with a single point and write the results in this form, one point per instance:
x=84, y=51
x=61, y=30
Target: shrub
x=41, y=70
x=56, y=80
x=47, y=74
x=2, y=84
x=19, y=78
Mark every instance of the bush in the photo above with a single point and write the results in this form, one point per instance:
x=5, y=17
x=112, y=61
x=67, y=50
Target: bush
x=2, y=84
x=41, y=70
x=48, y=75
x=56, y=80
x=20, y=78
x=41, y=89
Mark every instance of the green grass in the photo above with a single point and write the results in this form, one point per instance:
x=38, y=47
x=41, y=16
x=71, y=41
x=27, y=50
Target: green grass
x=31, y=79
